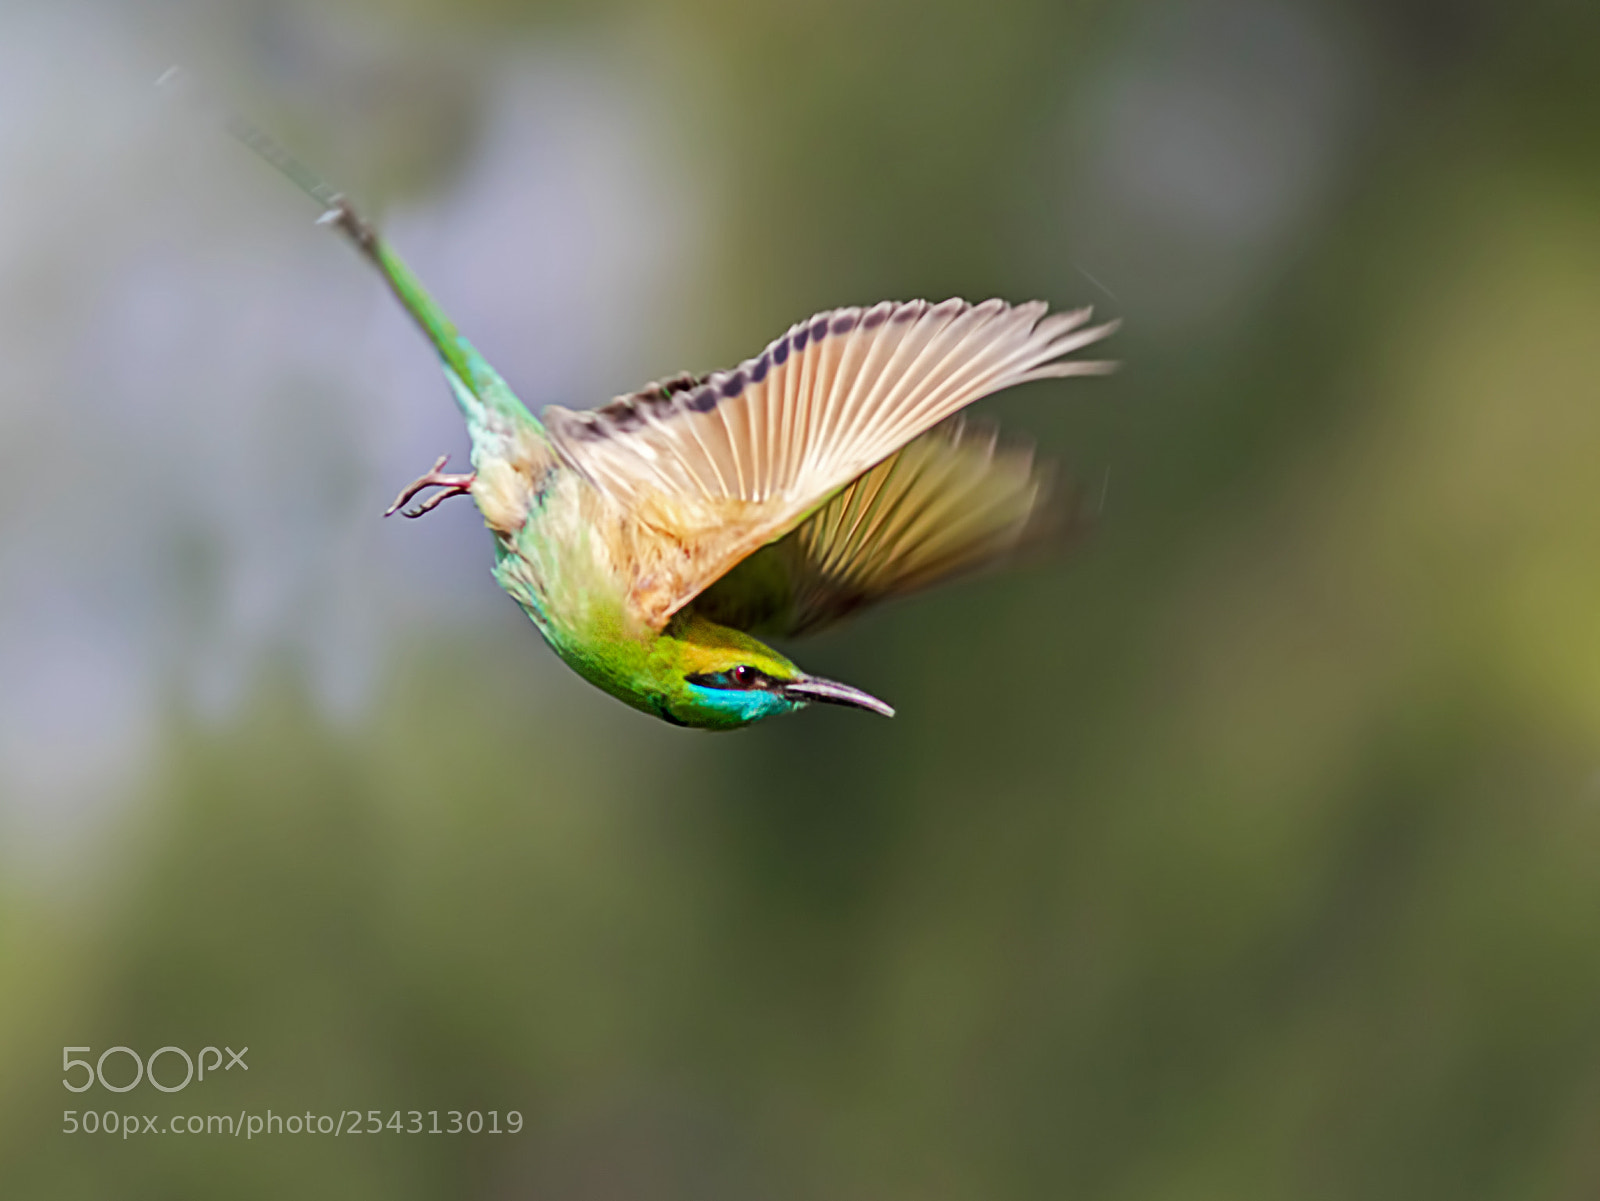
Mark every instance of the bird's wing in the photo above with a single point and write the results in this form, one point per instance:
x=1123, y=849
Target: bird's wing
x=709, y=470
x=949, y=502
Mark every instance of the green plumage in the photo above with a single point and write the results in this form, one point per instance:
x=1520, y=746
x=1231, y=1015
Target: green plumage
x=651, y=539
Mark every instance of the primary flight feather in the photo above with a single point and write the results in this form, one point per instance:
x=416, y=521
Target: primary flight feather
x=651, y=539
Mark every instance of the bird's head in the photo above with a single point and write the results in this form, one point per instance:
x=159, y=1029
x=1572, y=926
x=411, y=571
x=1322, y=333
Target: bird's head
x=720, y=679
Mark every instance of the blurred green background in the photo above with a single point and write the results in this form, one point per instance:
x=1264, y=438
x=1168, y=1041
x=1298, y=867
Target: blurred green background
x=1253, y=851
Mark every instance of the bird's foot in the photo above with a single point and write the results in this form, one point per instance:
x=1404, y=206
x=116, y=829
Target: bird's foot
x=459, y=484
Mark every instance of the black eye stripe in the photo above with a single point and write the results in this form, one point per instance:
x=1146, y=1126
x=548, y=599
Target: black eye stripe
x=742, y=678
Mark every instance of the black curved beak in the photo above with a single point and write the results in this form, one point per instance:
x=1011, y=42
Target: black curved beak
x=810, y=690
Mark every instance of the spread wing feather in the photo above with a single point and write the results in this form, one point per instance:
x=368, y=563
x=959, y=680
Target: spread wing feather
x=950, y=502
x=707, y=470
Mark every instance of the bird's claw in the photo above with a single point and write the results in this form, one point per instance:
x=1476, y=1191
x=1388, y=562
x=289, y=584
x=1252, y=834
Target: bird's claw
x=458, y=484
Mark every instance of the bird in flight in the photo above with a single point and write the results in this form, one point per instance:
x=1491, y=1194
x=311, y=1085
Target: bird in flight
x=653, y=539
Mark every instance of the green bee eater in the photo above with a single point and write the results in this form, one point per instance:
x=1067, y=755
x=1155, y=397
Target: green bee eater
x=651, y=539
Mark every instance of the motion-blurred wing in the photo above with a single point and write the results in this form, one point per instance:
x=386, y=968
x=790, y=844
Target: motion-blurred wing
x=950, y=502
x=709, y=470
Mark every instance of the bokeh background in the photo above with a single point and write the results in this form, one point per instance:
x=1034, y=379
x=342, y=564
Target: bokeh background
x=1252, y=851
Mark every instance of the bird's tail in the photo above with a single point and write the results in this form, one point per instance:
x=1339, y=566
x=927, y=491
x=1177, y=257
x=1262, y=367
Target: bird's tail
x=486, y=401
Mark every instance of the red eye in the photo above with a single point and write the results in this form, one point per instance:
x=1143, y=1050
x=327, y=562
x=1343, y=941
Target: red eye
x=744, y=675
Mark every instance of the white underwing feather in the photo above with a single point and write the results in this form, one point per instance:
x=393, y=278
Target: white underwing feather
x=727, y=463
x=950, y=502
